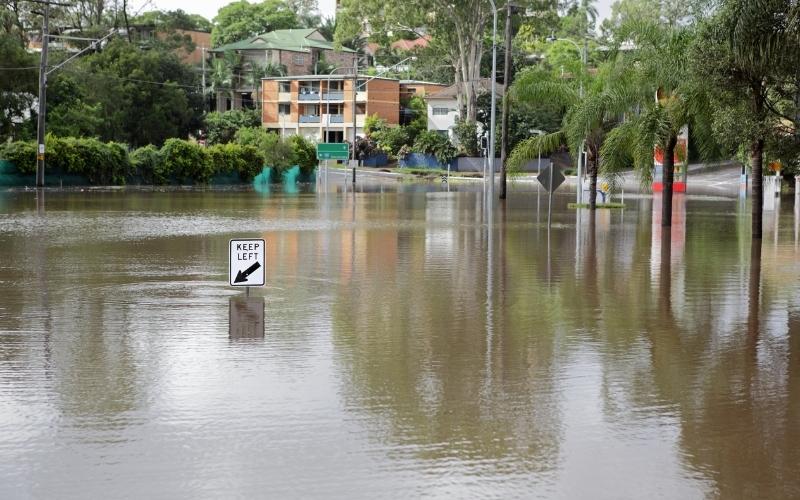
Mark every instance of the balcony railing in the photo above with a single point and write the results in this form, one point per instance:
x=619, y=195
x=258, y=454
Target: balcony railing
x=309, y=119
x=334, y=119
x=308, y=96
x=333, y=95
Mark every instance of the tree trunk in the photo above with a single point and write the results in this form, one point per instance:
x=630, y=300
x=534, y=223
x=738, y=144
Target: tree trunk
x=668, y=178
x=593, y=183
x=757, y=160
x=504, y=118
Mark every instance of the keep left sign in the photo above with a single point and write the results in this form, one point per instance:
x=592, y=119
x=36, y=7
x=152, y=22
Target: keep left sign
x=246, y=262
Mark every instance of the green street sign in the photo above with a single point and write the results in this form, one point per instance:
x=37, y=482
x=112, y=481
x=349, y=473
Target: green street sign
x=333, y=151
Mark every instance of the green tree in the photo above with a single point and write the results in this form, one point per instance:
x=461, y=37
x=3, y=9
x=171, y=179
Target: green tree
x=240, y=20
x=144, y=97
x=747, y=53
x=224, y=127
x=17, y=85
x=173, y=19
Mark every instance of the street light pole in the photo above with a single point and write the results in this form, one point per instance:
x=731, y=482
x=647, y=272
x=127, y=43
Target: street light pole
x=583, y=52
x=493, y=113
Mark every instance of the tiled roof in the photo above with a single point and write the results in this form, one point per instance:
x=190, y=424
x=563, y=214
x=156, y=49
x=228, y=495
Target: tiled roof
x=295, y=40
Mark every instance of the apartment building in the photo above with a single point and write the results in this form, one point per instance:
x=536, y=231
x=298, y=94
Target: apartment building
x=320, y=107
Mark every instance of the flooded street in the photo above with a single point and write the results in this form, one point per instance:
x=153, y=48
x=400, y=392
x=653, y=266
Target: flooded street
x=412, y=347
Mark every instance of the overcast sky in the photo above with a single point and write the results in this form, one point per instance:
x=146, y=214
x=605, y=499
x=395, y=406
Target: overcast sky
x=209, y=8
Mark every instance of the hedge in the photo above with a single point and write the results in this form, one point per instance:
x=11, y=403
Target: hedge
x=101, y=163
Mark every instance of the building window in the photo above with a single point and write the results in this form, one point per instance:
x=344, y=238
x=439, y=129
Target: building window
x=299, y=59
x=284, y=109
x=440, y=111
x=284, y=87
x=361, y=108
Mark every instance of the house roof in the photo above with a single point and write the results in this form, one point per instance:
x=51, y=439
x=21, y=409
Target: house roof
x=297, y=40
x=325, y=77
x=484, y=85
x=420, y=42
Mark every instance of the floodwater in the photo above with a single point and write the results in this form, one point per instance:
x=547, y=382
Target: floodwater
x=406, y=345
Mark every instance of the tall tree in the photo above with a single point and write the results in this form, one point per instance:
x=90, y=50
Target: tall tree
x=240, y=20
x=668, y=101
x=748, y=53
x=459, y=27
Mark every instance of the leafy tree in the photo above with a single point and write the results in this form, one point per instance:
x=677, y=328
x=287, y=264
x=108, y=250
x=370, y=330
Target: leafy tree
x=173, y=19
x=17, y=86
x=144, y=97
x=466, y=133
x=458, y=27
x=240, y=20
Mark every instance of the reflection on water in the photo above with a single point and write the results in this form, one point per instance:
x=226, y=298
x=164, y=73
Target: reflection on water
x=415, y=346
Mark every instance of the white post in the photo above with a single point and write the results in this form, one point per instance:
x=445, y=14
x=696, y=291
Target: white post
x=493, y=113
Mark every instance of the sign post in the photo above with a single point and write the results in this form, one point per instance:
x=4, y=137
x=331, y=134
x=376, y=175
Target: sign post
x=246, y=262
x=551, y=177
x=333, y=151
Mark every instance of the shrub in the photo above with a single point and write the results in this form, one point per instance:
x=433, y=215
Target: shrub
x=146, y=162
x=101, y=163
x=374, y=123
x=392, y=139
x=365, y=147
x=246, y=160
x=466, y=133
x=277, y=153
x=222, y=127
x=304, y=153
x=432, y=143
x=22, y=154
x=185, y=161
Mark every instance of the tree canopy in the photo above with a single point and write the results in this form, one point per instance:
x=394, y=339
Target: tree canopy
x=240, y=20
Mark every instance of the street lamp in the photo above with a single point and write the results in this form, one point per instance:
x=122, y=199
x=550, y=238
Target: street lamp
x=582, y=51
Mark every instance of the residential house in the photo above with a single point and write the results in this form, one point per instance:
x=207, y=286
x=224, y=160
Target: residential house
x=444, y=110
x=293, y=52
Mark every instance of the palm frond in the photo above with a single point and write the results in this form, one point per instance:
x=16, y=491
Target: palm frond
x=529, y=149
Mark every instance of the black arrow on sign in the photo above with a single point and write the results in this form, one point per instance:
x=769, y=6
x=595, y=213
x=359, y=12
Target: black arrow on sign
x=242, y=276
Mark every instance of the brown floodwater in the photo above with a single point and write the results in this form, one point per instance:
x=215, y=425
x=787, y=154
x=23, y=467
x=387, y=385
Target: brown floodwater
x=406, y=345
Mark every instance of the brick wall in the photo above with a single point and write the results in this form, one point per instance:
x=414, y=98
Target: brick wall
x=269, y=94
x=383, y=99
x=338, y=58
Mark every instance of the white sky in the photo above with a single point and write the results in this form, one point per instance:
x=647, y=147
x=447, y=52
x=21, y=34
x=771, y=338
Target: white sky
x=209, y=8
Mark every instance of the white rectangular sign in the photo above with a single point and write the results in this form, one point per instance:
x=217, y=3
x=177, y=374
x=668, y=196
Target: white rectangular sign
x=246, y=262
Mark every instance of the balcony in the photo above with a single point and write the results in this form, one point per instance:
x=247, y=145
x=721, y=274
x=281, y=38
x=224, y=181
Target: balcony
x=308, y=96
x=334, y=95
x=309, y=119
x=331, y=119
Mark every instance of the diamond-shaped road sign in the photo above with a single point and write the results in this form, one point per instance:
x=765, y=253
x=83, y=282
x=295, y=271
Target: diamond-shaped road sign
x=544, y=178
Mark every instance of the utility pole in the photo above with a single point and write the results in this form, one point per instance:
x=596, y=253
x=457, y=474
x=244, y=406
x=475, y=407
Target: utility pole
x=40, y=131
x=42, y=112
x=504, y=118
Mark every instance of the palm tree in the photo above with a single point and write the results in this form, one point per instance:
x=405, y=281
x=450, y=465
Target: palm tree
x=224, y=73
x=668, y=100
x=587, y=120
x=747, y=52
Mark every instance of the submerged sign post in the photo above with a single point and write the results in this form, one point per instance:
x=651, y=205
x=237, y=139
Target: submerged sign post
x=246, y=262
x=333, y=151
